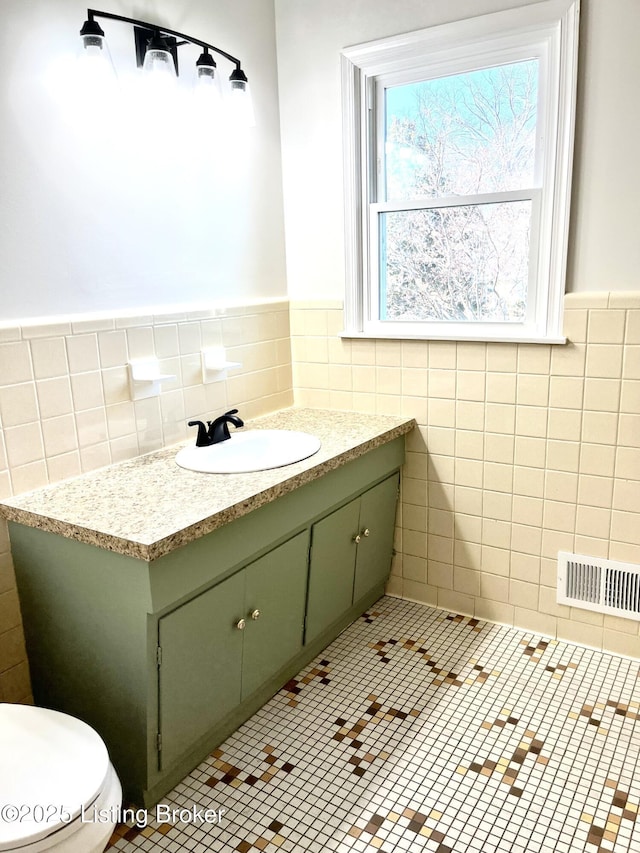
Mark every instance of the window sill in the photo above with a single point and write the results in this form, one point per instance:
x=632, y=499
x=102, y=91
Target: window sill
x=502, y=339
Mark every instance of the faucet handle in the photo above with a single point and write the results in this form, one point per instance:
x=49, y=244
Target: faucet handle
x=203, y=439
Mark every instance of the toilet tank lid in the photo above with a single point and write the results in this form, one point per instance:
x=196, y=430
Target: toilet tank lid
x=53, y=768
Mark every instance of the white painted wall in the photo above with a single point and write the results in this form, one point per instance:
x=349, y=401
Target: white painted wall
x=605, y=250
x=97, y=216
x=105, y=210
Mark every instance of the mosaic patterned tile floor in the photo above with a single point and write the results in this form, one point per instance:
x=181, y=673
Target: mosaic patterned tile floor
x=421, y=731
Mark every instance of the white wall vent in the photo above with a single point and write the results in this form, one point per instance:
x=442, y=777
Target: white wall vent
x=605, y=586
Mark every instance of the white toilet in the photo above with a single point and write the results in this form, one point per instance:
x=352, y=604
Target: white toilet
x=58, y=790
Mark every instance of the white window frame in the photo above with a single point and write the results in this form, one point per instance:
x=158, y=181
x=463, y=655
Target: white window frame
x=547, y=31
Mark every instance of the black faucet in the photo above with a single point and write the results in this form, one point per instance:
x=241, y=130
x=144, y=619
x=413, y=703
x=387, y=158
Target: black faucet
x=217, y=430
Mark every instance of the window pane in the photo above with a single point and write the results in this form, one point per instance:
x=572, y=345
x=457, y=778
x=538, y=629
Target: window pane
x=462, y=135
x=464, y=263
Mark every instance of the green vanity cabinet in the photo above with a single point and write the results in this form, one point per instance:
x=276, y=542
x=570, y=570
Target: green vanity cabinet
x=331, y=568
x=150, y=652
x=376, y=528
x=221, y=646
x=351, y=553
x=197, y=684
x=275, y=598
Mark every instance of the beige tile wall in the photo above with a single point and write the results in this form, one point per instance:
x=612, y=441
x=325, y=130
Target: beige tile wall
x=531, y=449
x=65, y=408
x=522, y=450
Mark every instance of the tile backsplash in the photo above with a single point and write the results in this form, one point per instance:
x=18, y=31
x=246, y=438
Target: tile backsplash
x=522, y=450
x=66, y=408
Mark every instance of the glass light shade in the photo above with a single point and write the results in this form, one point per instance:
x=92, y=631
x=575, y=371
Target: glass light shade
x=93, y=44
x=159, y=62
x=240, y=103
x=206, y=90
x=96, y=68
x=205, y=75
x=159, y=77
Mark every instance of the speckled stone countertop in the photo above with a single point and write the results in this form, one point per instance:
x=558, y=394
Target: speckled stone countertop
x=148, y=506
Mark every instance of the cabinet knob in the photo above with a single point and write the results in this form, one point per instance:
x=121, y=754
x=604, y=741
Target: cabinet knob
x=366, y=532
x=241, y=624
x=255, y=614
x=357, y=538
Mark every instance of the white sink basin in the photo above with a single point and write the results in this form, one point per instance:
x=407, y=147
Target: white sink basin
x=250, y=450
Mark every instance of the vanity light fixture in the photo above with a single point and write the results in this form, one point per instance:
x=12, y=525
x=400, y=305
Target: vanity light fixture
x=157, y=54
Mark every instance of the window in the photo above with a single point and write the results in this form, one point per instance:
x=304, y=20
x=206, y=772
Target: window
x=458, y=149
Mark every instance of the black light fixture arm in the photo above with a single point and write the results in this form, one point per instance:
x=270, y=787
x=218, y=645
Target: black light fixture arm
x=96, y=13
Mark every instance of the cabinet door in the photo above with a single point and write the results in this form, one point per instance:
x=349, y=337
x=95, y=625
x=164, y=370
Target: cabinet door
x=332, y=567
x=199, y=678
x=377, y=516
x=276, y=586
